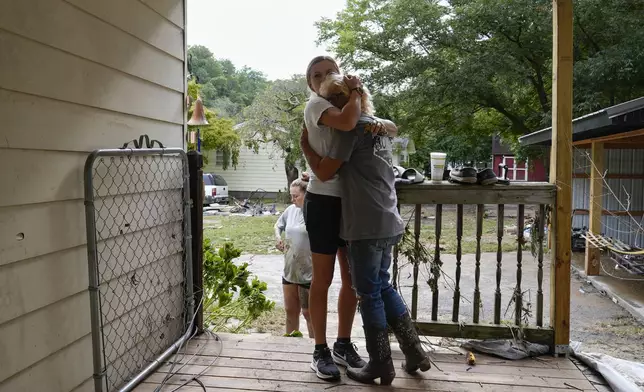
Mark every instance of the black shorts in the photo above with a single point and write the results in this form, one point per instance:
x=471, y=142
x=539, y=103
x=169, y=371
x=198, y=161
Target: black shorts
x=302, y=285
x=302, y=292
x=322, y=216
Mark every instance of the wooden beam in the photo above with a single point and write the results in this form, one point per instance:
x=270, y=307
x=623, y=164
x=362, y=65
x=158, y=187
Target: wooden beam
x=610, y=213
x=483, y=331
x=448, y=193
x=615, y=137
x=612, y=176
x=593, y=254
x=561, y=171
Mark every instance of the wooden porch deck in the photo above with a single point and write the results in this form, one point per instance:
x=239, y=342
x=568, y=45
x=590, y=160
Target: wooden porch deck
x=270, y=363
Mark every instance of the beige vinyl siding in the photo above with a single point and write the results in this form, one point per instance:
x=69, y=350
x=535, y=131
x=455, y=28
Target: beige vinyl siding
x=75, y=75
x=264, y=170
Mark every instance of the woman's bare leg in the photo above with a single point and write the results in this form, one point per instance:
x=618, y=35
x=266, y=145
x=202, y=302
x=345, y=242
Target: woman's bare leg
x=323, y=267
x=304, y=303
x=292, y=307
x=347, y=300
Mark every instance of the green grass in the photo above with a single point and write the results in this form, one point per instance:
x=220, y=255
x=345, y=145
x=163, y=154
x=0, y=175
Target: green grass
x=251, y=234
x=273, y=322
x=254, y=235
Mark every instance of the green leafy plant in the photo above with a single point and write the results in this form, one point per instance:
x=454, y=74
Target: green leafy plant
x=294, y=334
x=232, y=298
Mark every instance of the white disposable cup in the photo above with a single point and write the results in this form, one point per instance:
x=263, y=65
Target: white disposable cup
x=438, y=165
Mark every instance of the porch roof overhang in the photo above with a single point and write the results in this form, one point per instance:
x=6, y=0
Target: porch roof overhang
x=622, y=118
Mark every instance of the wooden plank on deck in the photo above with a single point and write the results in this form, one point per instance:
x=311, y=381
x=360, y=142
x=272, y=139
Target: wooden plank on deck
x=243, y=362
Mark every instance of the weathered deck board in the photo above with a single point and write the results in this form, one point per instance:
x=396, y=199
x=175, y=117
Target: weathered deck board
x=261, y=363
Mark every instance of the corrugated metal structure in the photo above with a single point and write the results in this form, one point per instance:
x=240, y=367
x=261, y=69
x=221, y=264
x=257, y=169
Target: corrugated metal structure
x=620, y=194
x=619, y=130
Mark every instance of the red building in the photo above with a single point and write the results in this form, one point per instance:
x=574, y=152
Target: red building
x=533, y=171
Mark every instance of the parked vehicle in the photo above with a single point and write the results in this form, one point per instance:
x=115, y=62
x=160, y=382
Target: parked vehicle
x=215, y=189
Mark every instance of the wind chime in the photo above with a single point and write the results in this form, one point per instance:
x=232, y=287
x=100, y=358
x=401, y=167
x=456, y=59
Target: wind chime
x=198, y=119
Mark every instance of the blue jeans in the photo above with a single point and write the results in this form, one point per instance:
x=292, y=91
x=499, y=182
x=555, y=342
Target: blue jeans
x=370, y=261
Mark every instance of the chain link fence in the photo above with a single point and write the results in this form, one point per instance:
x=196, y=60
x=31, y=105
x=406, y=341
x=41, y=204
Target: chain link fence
x=138, y=229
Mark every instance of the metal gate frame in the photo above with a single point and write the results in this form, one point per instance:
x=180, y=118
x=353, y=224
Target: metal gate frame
x=98, y=338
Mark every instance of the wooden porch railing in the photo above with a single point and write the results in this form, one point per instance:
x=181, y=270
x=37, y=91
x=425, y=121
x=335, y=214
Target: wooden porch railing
x=539, y=195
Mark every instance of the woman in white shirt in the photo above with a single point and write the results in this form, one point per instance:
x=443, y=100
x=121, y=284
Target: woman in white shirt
x=322, y=213
x=296, y=279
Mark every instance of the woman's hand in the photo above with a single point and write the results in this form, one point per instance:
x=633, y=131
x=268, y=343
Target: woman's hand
x=377, y=128
x=305, y=176
x=280, y=245
x=352, y=81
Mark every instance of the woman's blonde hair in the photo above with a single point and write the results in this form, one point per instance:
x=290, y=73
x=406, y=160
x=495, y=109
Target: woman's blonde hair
x=299, y=183
x=334, y=84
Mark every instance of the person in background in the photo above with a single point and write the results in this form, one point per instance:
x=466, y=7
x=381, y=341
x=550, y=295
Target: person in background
x=293, y=240
x=322, y=212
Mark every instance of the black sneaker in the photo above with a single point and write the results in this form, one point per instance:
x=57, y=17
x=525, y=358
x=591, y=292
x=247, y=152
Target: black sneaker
x=464, y=175
x=487, y=177
x=323, y=365
x=345, y=354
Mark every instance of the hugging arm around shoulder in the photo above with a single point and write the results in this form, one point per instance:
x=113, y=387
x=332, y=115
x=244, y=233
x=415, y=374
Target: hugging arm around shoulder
x=344, y=119
x=326, y=167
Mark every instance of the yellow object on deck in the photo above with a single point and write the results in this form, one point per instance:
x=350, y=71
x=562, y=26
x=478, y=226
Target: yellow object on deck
x=471, y=359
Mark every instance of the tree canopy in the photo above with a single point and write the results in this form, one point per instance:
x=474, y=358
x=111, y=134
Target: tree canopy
x=473, y=68
x=225, y=92
x=223, y=88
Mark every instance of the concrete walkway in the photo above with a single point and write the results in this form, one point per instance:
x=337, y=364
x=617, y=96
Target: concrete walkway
x=621, y=287
x=596, y=320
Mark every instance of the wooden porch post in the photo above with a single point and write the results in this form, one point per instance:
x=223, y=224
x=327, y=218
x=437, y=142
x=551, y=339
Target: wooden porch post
x=593, y=254
x=561, y=171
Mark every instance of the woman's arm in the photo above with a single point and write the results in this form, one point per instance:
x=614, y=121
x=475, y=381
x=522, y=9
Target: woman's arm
x=345, y=119
x=390, y=127
x=323, y=168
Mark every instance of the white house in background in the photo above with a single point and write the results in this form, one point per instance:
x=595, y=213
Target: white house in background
x=403, y=148
x=261, y=170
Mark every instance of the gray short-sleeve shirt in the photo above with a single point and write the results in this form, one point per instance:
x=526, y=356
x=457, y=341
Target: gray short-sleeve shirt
x=369, y=202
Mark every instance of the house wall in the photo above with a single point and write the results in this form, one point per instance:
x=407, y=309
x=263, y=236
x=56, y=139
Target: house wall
x=75, y=75
x=619, y=193
x=264, y=170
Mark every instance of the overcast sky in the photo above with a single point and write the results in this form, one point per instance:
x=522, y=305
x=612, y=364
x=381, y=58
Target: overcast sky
x=276, y=37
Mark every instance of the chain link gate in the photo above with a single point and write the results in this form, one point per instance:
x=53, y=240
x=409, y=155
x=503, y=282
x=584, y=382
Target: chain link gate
x=137, y=204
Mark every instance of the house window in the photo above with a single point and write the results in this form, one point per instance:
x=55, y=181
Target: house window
x=219, y=158
x=517, y=171
x=403, y=159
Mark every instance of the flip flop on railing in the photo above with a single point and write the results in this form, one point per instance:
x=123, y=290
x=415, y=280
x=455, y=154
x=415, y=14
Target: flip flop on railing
x=408, y=176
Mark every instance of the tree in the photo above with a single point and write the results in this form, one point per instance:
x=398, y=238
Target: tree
x=224, y=88
x=276, y=116
x=484, y=66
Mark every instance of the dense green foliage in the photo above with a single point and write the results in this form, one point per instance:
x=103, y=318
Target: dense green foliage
x=225, y=91
x=224, y=88
x=451, y=76
x=231, y=299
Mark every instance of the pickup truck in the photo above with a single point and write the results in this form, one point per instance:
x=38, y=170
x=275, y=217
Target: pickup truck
x=215, y=189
